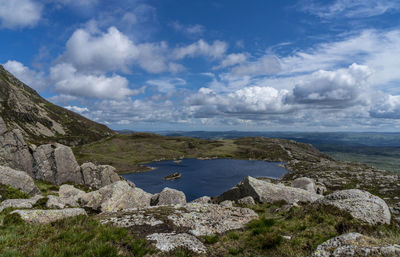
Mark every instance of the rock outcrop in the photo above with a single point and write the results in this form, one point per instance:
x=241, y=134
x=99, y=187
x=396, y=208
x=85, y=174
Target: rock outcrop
x=56, y=202
x=48, y=216
x=68, y=191
x=266, y=192
x=354, y=244
x=20, y=203
x=18, y=179
x=56, y=163
x=360, y=204
x=169, y=196
x=115, y=197
x=97, y=176
x=166, y=242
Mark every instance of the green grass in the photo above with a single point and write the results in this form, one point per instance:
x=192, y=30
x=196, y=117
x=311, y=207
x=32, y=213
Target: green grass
x=8, y=192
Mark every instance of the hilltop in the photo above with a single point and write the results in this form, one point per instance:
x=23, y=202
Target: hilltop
x=40, y=121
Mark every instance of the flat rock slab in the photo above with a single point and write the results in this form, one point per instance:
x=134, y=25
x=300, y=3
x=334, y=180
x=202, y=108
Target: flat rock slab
x=360, y=204
x=354, y=244
x=48, y=216
x=20, y=203
x=193, y=218
x=169, y=241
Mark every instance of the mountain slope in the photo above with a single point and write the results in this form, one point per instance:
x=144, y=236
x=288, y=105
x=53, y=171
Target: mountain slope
x=40, y=121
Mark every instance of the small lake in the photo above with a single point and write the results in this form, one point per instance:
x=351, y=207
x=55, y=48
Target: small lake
x=203, y=177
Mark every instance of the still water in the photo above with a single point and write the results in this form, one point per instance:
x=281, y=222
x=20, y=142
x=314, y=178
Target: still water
x=203, y=177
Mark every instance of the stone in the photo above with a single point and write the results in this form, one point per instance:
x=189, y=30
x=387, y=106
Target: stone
x=3, y=126
x=194, y=218
x=166, y=242
x=98, y=176
x=354, y=244
x=14, y=152
x=266, y=192
x=226, y=203
x=208, y=219
x=20, y=203
x=169, y=196
x=69, y=191
x=203, y=199
x=305, y=183
x=48, y=216
x=19, y=180
x=56, y=202
x=248, y=200
x=321, y=188
x=55, y=163
x=360, y=204
x=115, y=197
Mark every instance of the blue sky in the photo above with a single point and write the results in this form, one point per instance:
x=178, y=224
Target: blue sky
x=297, y=65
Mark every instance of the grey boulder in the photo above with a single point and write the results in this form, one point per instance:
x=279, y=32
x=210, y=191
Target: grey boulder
x=169, y=196
x=166, y=242
x=266, y=192
x=307, y=184
x=98, y=176
x=203, y=199
x=20, y=203
x=18, y=179
x=360, y=204
x=354, y=244
x=56, y=202
x=248, y=200
x=115, y=197
x=48, y=216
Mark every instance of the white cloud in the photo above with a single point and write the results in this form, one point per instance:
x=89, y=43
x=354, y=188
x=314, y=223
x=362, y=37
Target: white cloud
x=33, y=79
x=265, y=65
x=189, y=30
x=77, y=109
x=19, y=13
x=386, y=106
x=201, y=48
x=350, y=8
x=231, y=60
x=67, y=80
x=80, y=3
x=166, y=85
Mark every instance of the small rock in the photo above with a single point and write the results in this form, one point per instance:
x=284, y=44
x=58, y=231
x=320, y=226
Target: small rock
x=55, y=202
x=203, y=199
x=169, y=241
x=20, y=203
x=68, y=191
x=226, y=203
x=169, y=196
x=248, y=200
x=19, y=180
x=307, y=184
x=48, y=216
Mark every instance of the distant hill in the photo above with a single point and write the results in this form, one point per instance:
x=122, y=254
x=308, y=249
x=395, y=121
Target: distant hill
x=39, y=120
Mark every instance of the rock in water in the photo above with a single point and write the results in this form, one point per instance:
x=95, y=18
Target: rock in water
x=354, y=244
x=169, y=196
x=305, y=183
x=48, y=216
x=115, y=197
x=98, y=176
x=56, y=164
x=266, y=192
x=19, y=180
x=360, y=204
x=169, y=241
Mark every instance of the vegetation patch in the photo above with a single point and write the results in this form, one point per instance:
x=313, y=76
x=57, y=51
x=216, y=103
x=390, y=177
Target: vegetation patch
x=8, y=192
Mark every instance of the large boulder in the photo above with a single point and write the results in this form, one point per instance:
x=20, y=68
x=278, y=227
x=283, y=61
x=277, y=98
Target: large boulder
x=56, y=163
x=14, y=152
x=98, y=176
x=69, y=191
x=169, y=196
x=48, y=216
x=18, y=179
x=115, y=197
x=354, y=244
x=360, y=204
x=166, y=242
x=20, y=203
x=266, y=192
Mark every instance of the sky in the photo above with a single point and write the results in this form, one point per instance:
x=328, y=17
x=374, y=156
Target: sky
x=255, y=65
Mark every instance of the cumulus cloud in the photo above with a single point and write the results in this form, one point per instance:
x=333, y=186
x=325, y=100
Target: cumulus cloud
x=339, y=88
x=201, y=48
x=67, y=80
x=387, y=107
x=19, y=13
x=34, y=79
x=77, y=109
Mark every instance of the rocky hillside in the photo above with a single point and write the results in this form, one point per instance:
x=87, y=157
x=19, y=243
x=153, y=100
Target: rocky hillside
x=41, y=121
